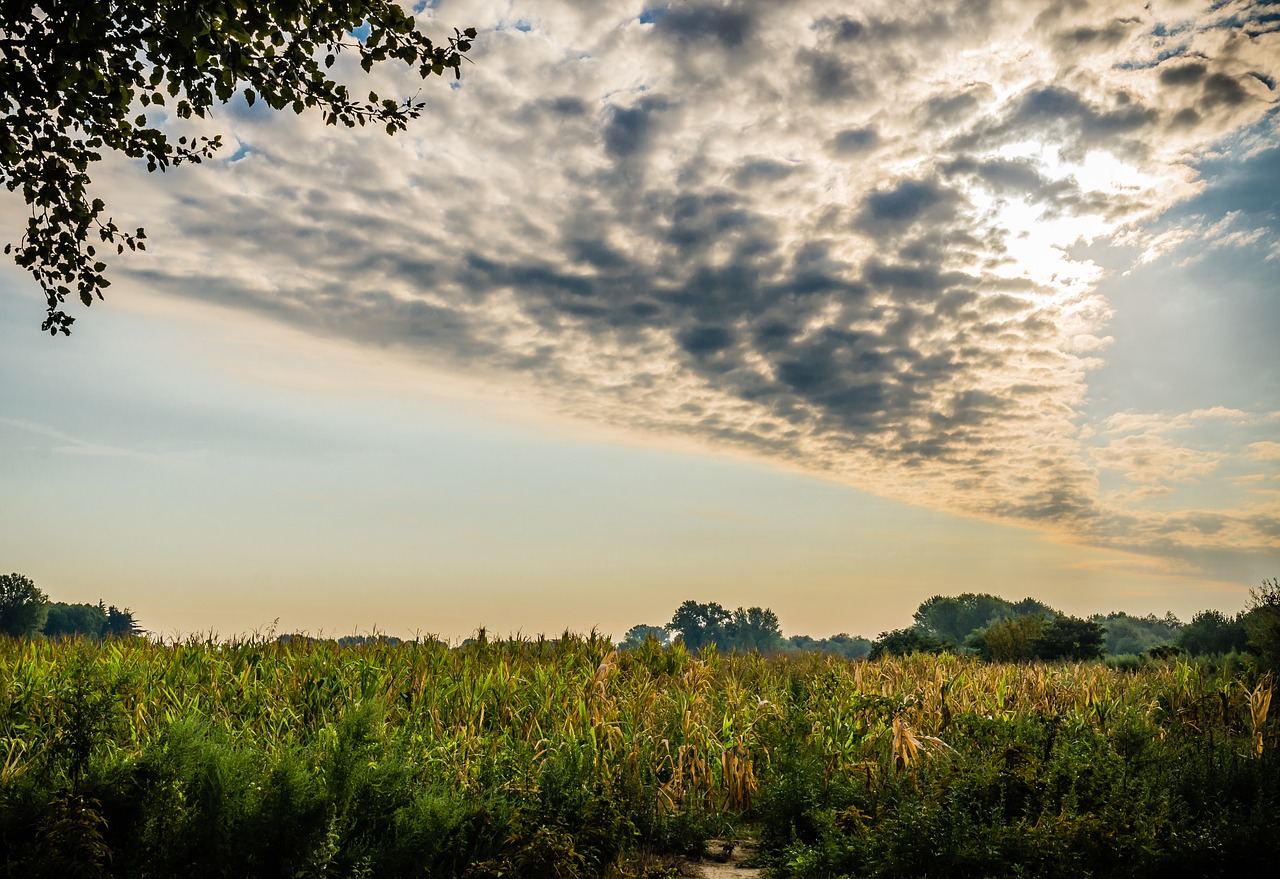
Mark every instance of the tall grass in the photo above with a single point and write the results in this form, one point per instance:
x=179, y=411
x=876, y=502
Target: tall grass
x=538, y=757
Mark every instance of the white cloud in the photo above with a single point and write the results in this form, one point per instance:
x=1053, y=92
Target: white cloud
x=1265, y=451
x=1152, y=459
x=58, y=442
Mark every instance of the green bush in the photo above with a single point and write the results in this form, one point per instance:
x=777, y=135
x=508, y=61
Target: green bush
x=1027, y=797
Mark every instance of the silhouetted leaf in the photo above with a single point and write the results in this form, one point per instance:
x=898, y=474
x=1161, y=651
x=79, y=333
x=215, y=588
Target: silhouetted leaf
x=60, y=63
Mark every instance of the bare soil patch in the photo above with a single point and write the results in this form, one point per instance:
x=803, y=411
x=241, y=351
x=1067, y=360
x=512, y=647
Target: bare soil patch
x=726, y=860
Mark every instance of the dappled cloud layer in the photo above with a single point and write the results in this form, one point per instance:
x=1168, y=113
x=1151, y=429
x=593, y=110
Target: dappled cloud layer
x=845, y=236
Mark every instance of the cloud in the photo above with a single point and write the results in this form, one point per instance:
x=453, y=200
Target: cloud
x=1265, y=451
x=842, y=242
x=700, y=23
x=1166, y=422
x=1207, y=235
x=66, y=444
x=1149, y=458
x=852, y=141
x=629, y=131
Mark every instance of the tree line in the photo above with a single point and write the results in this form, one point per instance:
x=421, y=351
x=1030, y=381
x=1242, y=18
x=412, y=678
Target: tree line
x=700, y=625
x=994, y=629
x=980, y=624
x=26, y=612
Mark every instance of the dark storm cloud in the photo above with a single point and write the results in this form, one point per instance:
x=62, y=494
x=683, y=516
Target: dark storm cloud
x=597, y=253
x=1054, y=104
x=544, y=281
x=1185, y=119
x=761, y=171
x=568, y=105
x=814, y=270
x=1066, y=504
x=1088, y=36
x=853, y=141
x=1219, y=88
x=1074, y=122
x=842, y=29
x=885, y=212
x=705, y=340
x=702, y=22
x=910, y=282
x=1183, y=74
x=845, y=381
x=949, y=109
x=715, y=218
x=629, y=131
x=830, y=76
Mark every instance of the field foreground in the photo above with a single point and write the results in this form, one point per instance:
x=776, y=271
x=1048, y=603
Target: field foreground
x=538, y=758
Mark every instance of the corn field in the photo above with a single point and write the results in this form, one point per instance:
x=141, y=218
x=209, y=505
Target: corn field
x=670, y=746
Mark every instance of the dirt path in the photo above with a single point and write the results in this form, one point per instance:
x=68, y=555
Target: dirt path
x=732, y=867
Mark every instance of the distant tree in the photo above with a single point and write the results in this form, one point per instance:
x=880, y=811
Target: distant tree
x=1021, y=639
x=367, y=640
x=72, y=620
x=1030, y=607
x=120, y=623
x=843, y=645
x=1212, y=632
x=1013, y=639
x=1070, y=638
x=638, y=634
x=956, y=618
x=1165, y=651
x=754, y=628
x=903, y=642
x=1129, y=634
x=1262, y=622
x=701, y=624
x=846, y=645
x=23, y=607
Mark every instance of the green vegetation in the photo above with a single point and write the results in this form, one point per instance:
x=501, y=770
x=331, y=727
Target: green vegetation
x=955, y=618
x=754, y=629
x=745, y=629
x=999, y=630
x=570, y=758
x=1213, y=632
x=1136, y=635
x=905, y=642
x=26, y=612
x=984, y=740
x=23, y=607
x=1262, y=623
x=89, y=621
x=996, y=630
x=1035, y=636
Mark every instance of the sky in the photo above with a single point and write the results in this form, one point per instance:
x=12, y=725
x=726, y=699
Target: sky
x=824, y=307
